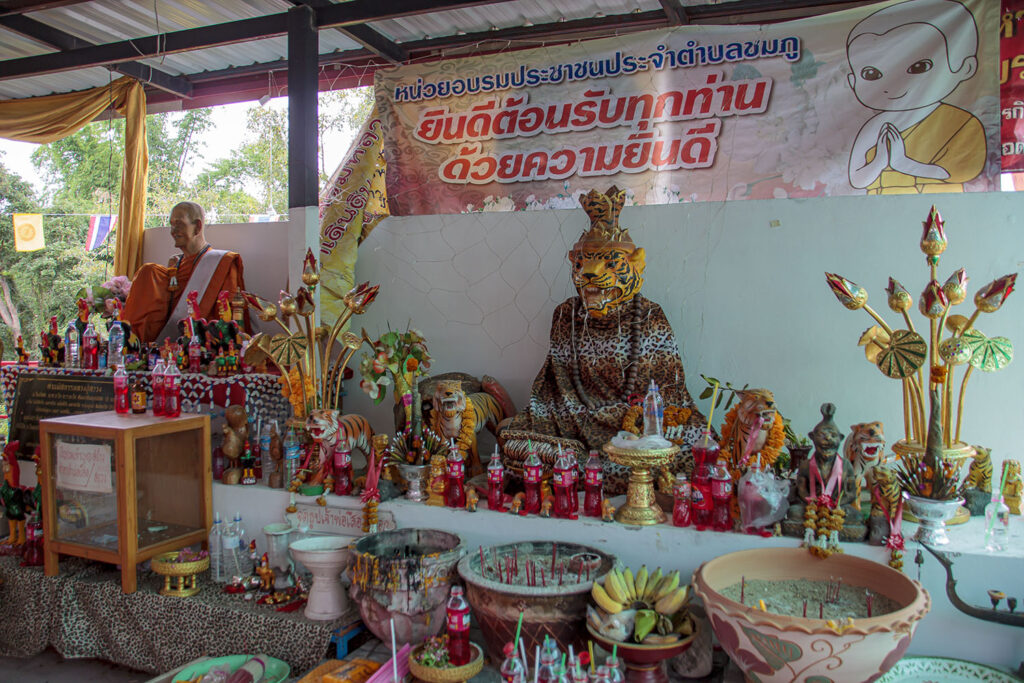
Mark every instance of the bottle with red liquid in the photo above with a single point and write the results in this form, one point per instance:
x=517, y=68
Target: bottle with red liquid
x=90, y=353
x=195, y=354
x=593, y=482
x=172, y=390
x=122, y=403
x=562, y=481
x=532, y=473
x=495, y=483
x=682, y=495
x=156, y=384
x=454, y=491
x=459, y=651
x=574, y=491
x=342, y=471
x=721, y=496
x=705, y=452
x=512, y=669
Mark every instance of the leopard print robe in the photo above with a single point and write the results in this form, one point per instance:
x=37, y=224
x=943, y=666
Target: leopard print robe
x=602, y=346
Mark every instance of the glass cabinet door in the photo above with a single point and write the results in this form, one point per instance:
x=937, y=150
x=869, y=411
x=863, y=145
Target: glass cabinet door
x=169, y=486
x=86, y=490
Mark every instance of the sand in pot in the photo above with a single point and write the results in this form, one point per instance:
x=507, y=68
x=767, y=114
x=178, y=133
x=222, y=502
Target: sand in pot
x=838, y=601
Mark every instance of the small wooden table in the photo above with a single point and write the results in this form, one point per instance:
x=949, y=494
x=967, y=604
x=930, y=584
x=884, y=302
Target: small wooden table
x=124, y=488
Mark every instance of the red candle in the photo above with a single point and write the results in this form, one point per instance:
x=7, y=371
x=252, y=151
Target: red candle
x=554, y=554
x=543, y=581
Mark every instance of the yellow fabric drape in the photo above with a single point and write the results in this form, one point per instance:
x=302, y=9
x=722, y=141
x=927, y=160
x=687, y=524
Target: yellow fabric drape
x=49, y=118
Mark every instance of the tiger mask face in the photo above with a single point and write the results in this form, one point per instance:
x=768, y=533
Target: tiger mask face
x=606, y=278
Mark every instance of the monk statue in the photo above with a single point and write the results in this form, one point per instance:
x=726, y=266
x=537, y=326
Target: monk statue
x=158, y=297
x=607, y=343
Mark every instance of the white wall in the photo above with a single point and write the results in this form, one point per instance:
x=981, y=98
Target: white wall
x=748, y=301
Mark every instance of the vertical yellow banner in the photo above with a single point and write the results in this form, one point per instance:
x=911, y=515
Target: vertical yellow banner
x=28, y=232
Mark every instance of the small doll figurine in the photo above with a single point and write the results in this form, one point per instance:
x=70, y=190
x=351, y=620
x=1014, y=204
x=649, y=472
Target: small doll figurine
x=20, y=348
x=517, y=504
x=266, y=573
x=15, y=498
x=607, y=511
x=472, y=498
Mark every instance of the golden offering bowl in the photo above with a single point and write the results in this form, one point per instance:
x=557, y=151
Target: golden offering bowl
x=641, y=508
x=183, y=574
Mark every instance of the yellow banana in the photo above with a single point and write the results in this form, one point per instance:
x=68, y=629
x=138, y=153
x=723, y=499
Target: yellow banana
x=603, y=600
x=652, y=585
x=667, y=585
x=671, y=603
x=640, y=582
x=627, y=581
x=614, y=587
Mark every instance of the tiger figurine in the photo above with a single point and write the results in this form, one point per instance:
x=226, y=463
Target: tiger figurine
x=863, y=450
x=739, y=423
x=886, y=496
x=979, y=475
x=456, y=416
x=335, y=436
x=608, y=272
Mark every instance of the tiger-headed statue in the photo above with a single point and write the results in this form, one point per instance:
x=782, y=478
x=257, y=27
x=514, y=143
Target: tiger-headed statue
x=978, y=487
x=607, y=343
x=756, y=408
x=864, y=449
x=334, y=436
x=460, y=417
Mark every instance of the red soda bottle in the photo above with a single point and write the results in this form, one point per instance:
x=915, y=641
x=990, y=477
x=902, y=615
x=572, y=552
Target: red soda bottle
x=458, y=628
x=454, y=491
x=574, y=491
x=156, y=383
x=682, y=495
x=90, y=349
x=342, y=471
x=593, y=479
x=705, y=452
x=122, y=404
x=495, y=483
x=172, y=391
x=195, y=354
x=563, y=486
x=721, y=496
x=532, y=472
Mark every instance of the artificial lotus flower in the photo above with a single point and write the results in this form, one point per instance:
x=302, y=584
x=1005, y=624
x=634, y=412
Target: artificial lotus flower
x=933, y=239
x=874, y=340
x=287, y=304
x=850, y=294
x=991, y=297
x=310, y=275
x=267, y=310
x=304, y=305
x=933, y=302
x=955, y=287
x=900, y=300
x=358, y=298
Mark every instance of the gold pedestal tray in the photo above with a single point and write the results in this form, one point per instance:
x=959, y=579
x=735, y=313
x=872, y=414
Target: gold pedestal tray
x=640, y=508
x=179, y=577
x=960, y=453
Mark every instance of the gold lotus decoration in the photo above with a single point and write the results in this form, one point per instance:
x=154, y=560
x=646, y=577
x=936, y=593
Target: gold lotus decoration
x=308, y=349
x=902, y=353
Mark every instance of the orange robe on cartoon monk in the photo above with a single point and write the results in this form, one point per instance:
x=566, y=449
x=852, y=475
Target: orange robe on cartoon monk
x=156, y=290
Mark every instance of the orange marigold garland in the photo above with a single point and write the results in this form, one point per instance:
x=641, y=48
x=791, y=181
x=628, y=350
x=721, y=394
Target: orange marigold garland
x=675, y=416
x=732, y=442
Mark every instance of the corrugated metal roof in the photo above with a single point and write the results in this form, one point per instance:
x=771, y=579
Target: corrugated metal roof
x=504, y=15
x=66, y=81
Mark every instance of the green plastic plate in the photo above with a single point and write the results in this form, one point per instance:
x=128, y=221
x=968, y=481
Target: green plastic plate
x=929, y=669
x=277, y=671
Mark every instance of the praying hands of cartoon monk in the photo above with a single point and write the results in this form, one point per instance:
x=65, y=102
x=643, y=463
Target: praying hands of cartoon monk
x=889, y=138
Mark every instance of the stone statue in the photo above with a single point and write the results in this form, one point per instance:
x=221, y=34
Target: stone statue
x=827, y=473
x=607, y=343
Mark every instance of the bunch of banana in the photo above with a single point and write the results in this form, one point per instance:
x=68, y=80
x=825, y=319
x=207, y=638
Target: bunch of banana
x=652, y=606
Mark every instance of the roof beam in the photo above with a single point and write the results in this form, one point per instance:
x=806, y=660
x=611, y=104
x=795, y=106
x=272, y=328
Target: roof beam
x=344, y=14
x=54, y=37
x=675, y=12
x=371, y=39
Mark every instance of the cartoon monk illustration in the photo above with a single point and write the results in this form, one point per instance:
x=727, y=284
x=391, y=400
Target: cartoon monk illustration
x=904, y=60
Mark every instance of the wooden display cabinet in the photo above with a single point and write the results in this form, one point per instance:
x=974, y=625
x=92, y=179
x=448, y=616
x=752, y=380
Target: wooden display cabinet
x=123, y=488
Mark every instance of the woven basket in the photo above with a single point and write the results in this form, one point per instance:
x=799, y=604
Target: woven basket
x=164, y=564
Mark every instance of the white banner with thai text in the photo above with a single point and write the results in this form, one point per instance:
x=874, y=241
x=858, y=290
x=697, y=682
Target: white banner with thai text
x=898, y=97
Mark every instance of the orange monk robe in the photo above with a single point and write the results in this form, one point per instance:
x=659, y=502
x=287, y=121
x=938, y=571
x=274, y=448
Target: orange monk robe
x=150, y=302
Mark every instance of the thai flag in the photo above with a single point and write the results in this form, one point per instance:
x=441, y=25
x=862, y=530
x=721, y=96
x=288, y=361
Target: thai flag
x=99, y=228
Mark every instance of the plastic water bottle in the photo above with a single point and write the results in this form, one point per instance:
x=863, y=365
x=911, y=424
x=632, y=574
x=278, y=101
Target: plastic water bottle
x=195, y=354
x=459, y=650
x=512, y=669
x=122, y=404
x=654, y=411
x=997, y=525
x=216, y=545
x=115, y=345
x=682, y=496
x=615, y=673
x=71, y=359
x=266, y=464
x=172, y=390
x=546, y=667
x=156, y=383
x=90, y=349
x=232, y=560
x=495, y=483
x=239, y=531
x=705, y=452
x=292, y=450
